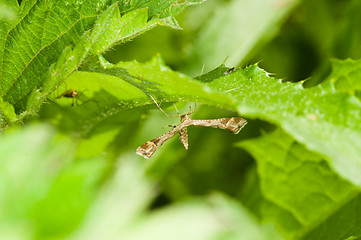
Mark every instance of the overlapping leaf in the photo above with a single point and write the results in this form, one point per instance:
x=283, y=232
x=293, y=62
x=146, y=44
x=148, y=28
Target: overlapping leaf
x=67, y=33
x=296, y=181
x=109, y=89
x=317, y=117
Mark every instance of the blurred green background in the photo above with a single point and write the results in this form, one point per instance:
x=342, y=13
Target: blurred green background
x=290, y=38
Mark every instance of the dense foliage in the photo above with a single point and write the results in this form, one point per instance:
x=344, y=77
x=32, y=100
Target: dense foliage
x=77, y=82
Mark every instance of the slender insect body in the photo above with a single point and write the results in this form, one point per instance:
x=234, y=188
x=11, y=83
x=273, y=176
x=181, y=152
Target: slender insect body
x=148, y=148
x=234, y=125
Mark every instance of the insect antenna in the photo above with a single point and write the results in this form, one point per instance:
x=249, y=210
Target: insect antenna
x=161, y=108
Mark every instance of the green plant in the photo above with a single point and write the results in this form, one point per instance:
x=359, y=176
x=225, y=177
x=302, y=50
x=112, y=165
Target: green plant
x=71, y=171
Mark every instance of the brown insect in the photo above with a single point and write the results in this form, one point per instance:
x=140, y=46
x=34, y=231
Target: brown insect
x=71, y=93
x=234, y=125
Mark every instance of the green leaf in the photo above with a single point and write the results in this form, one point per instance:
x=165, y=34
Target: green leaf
x=105, y=92
x=36, y=41
x=317, y=117
x=252, y=197
x=296, y=180
x=346, y=74
x=64, y=35
x=343, y=223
